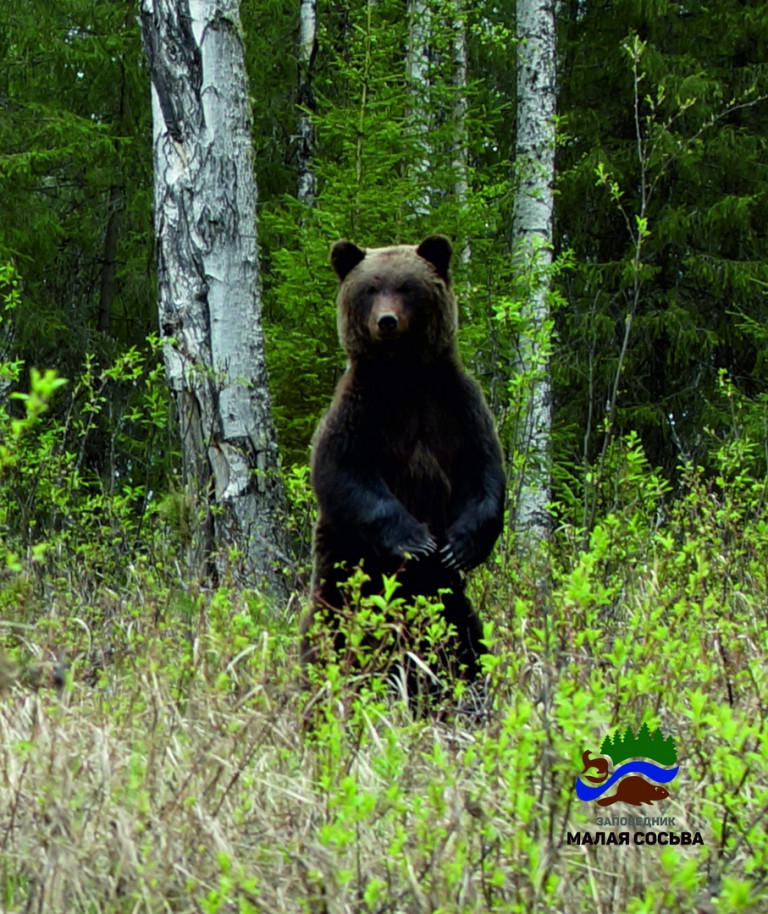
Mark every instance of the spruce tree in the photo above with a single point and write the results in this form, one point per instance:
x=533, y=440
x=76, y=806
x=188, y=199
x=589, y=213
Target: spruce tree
x=676, y=152
x=643, y=742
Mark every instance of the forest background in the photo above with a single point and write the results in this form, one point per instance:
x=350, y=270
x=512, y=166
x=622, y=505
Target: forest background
x=164, y=768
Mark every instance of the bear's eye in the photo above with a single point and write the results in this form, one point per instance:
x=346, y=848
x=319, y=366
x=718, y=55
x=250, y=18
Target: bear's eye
x=370, y=290
x=406, y=288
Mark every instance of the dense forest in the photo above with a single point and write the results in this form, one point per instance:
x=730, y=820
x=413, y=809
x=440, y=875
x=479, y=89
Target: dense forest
x=149, y=716
x=676, y=146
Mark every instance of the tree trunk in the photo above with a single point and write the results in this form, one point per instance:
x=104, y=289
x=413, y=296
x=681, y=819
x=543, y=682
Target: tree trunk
x=114, y=209
x=461, y=156
x=109, y=260
x=532, y=237
x=417, y=72
x=209, y=298
x=307, y=185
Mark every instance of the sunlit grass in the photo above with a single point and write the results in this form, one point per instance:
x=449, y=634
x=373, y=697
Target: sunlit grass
x=171, y=772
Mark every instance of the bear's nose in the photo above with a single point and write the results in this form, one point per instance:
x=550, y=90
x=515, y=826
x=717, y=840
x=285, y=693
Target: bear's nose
x=387, y=323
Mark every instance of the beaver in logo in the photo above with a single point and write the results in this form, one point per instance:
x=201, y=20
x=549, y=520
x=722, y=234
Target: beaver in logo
x=635, y=791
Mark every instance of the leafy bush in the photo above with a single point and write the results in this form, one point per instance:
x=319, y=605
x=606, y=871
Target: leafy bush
x=151, y=731
x=169, y=770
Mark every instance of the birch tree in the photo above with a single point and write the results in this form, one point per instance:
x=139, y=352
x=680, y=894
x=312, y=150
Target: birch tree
x=417, y=72
x=306, y=183
x=460, y=106
x=532, y=240
x=209, y=299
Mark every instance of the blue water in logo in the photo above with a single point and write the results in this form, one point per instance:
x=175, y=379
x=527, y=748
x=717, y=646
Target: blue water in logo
x=654, y=772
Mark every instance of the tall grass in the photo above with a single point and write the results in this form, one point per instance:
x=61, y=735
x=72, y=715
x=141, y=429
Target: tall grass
x=153, y=756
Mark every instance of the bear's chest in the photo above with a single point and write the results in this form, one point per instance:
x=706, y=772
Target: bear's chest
x=418, y=437
x=417, y=455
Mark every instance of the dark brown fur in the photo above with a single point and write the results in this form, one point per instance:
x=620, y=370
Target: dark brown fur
x=406, y=461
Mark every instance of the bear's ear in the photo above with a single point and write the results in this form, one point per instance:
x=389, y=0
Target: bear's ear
x=345, y=256
x=437, y=250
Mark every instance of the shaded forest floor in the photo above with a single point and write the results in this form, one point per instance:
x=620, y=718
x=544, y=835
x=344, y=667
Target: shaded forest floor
x=153, y=758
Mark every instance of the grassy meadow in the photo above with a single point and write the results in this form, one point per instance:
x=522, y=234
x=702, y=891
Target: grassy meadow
x=153, y=757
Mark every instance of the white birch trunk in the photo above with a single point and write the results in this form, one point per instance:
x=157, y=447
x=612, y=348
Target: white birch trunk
x=532, y=236
x=417, y=71
x=461, y=156
x=209, y=299
x=306, y=184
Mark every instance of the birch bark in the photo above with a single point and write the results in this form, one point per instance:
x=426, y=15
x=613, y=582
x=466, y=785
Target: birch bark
x=461, y=156
x=532, y=237
x=417, y=72
x=307, y=185
x=209, y=299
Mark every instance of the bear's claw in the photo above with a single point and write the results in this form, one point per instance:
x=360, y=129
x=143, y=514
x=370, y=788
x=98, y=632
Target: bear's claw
x=449, y=559
x=419, y=552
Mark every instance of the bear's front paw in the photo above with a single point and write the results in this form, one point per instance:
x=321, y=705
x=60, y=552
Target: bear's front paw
x=406, y=538
x=418, y=550
x=459, y=554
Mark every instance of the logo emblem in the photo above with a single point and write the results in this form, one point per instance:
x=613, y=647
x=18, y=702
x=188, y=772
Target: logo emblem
x=649, y=760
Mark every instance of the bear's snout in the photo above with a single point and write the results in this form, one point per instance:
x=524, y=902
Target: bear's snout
x=387, y=322
x=388, y=319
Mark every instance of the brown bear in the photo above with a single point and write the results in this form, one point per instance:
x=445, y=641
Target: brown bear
x=406, y=463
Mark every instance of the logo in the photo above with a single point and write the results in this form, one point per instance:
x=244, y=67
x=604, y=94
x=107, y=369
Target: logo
x=652, y=762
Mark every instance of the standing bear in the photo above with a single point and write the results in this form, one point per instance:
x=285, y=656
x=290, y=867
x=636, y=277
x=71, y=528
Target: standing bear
x=406, y=464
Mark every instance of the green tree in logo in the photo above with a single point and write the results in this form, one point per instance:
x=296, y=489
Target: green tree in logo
x=608, y=747
x=645, y=745
x=662, y=750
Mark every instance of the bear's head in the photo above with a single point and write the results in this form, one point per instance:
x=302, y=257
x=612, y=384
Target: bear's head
x=396, y=302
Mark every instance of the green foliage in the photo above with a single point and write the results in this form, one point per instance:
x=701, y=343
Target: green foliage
x=668, y=242
x=660, y=208
x=157, y=725
x=75, y=178
x=386, y=165
x=54, y=499
x=380, y=644
x=186, y=698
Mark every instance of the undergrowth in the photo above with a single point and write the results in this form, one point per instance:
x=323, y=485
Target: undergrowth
x=152, y=741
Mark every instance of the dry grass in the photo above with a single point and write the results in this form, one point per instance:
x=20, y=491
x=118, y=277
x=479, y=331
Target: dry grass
x=167, y=770
x=173, y=774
